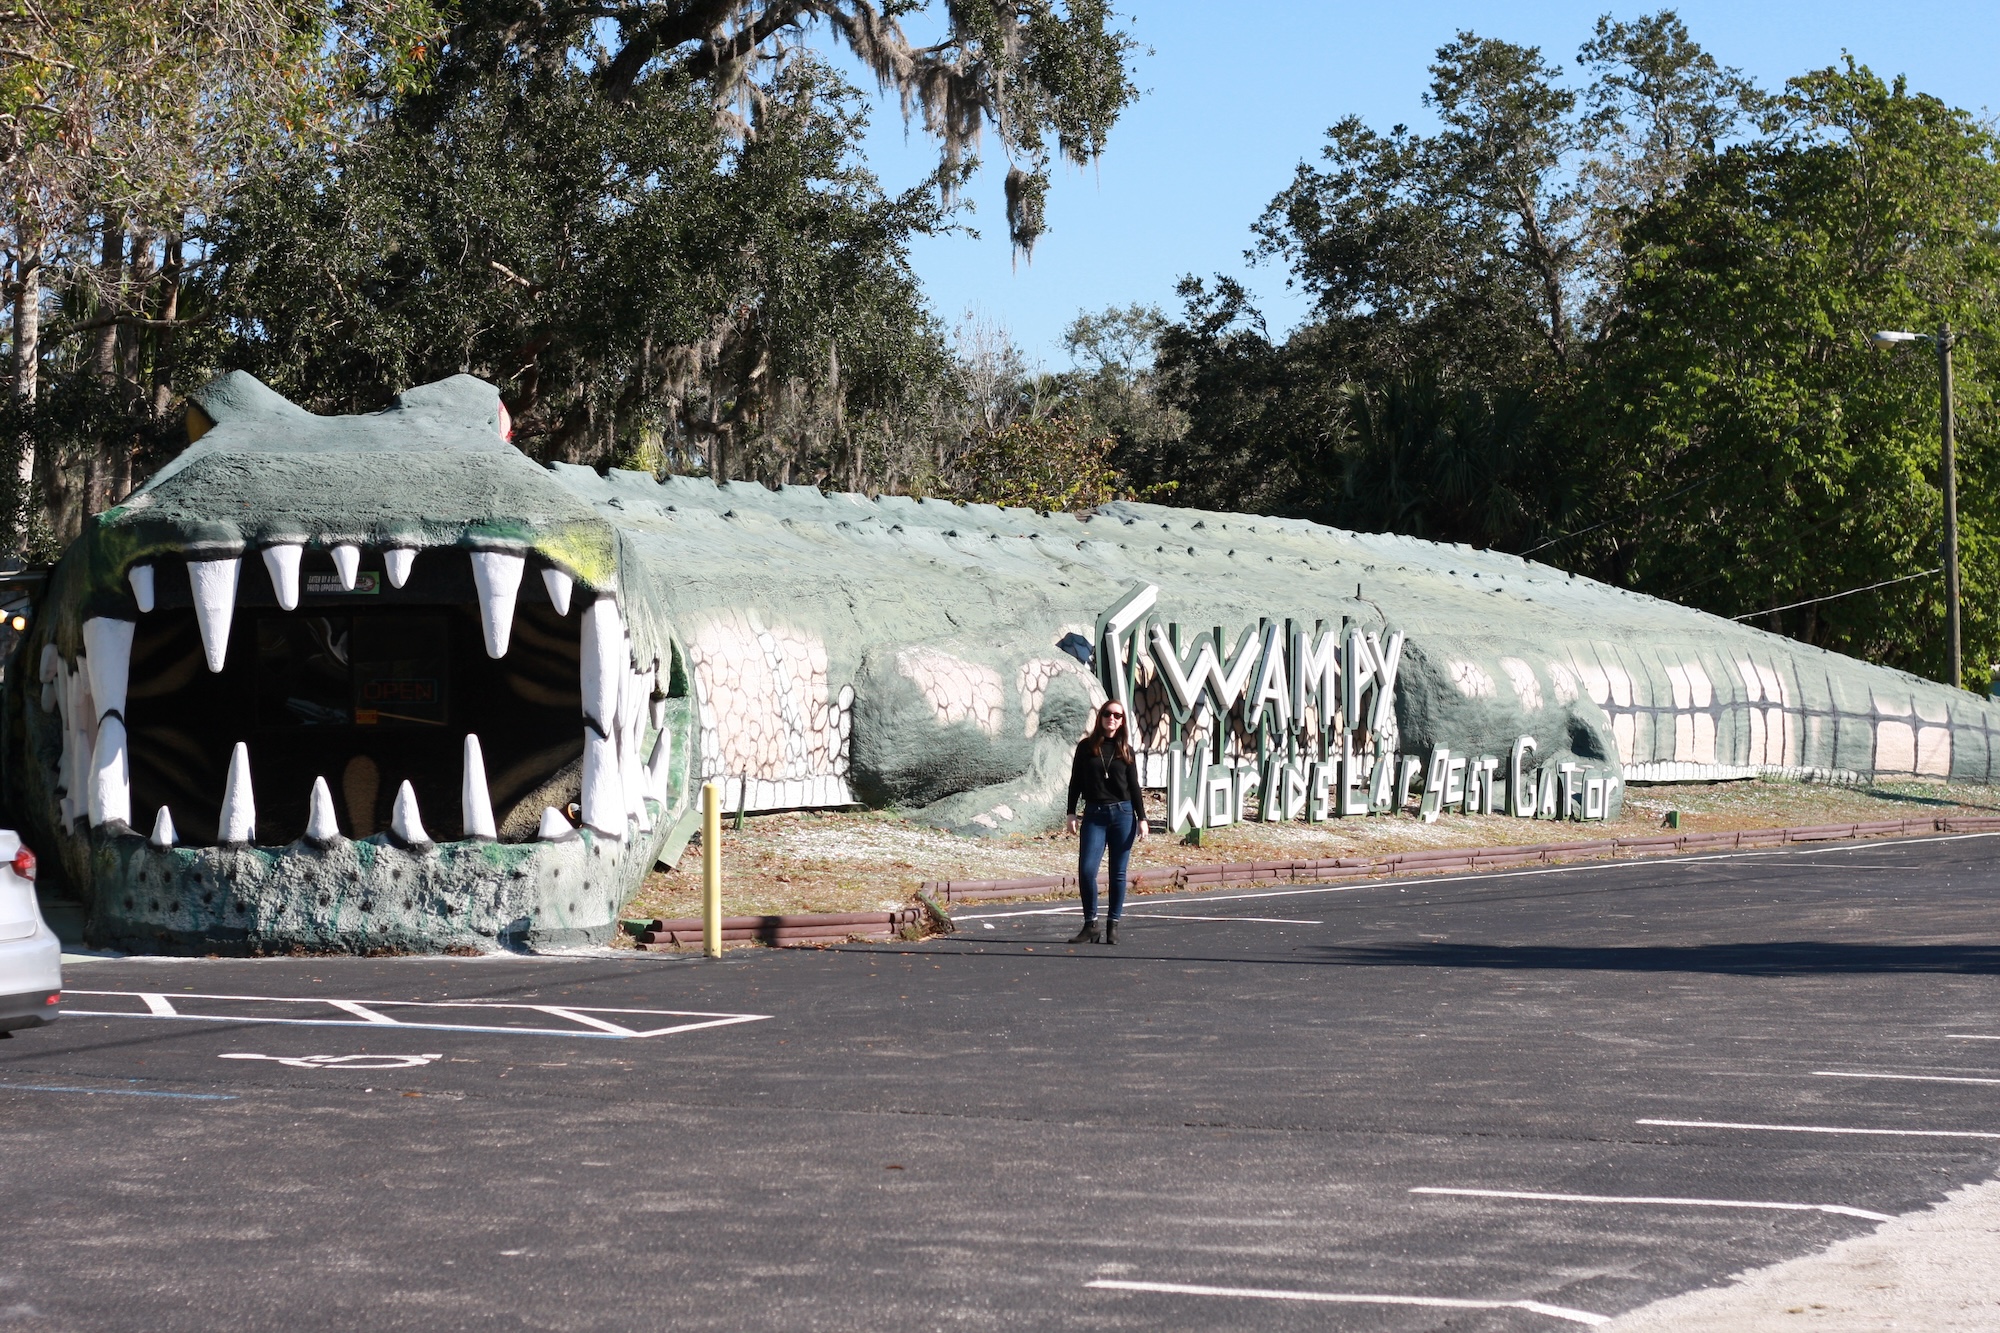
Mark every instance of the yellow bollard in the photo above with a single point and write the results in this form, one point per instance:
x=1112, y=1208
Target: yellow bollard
x=711, y=869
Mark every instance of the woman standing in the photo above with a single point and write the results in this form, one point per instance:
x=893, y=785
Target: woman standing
x=1105, y=776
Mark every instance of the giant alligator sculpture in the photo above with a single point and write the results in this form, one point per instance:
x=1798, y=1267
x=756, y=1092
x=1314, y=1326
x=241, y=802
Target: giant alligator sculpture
x=382, y=682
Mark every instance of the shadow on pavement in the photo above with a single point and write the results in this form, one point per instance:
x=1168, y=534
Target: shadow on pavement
x=1768, y=959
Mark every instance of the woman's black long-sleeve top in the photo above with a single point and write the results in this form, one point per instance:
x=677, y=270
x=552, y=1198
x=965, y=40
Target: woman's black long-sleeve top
x=1103, y=778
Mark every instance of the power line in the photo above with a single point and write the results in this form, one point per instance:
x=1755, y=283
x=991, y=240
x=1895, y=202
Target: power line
x=1750, y=560
x=1640, y=509
x=1834, y=596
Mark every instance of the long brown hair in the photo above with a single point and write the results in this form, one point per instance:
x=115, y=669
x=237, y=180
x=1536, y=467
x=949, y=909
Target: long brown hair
x=1095, y=740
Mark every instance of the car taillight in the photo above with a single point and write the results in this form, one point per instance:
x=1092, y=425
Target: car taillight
x=24, y=863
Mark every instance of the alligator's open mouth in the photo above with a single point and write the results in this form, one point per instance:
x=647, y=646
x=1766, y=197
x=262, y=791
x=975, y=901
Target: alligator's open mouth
x=353, y=683
x=369, y=681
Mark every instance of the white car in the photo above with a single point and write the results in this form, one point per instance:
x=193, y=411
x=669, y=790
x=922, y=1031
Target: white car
x=30, y=954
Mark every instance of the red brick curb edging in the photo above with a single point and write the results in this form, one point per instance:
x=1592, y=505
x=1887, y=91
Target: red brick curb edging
x=833, y=927
x=1456, y=858
x=803, y=928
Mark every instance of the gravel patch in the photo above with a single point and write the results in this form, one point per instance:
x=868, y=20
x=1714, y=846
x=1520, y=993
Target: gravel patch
x=1933, y=1271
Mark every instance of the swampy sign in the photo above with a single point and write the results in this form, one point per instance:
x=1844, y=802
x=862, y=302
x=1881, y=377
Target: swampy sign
x=1317, y=706
x=383, y=682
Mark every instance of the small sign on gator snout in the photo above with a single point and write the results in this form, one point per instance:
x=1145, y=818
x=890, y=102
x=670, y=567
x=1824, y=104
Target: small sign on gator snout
x=367, y=583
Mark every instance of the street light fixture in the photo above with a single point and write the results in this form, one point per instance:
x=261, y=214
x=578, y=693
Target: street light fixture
x=1942, y=340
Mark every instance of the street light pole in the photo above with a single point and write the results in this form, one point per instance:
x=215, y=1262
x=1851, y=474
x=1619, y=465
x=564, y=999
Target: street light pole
x=1944, y=338
x=1944, y=341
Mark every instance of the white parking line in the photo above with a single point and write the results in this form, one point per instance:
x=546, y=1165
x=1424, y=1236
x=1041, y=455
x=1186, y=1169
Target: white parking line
x=1258, y=920
x=1828, y=1129
x=1158, y=916
x=360, y=1011
x=364, y=1061
x=1841, y=1210
x=158, y=1006
x=1910, y=1078
x=1346, y=1298
x=1970, y=1036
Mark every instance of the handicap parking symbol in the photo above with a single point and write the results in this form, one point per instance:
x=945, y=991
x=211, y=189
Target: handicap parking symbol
x=383, y=1061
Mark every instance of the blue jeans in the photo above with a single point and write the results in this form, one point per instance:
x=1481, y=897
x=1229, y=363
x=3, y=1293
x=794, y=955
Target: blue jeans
x=1104, y=826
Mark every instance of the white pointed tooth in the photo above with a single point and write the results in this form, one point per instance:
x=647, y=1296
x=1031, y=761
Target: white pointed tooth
x=82, y=738
x=108, y=663
x=107, y=648
x=66, y=757
x=283, y=563
x=213, y=583
x=474, y=803
x=603, y=794
x=633, y=778
x=82, y=704
x=656, y=768
x=603, y=637
x=347, y=564
x=322, y=825
x=51, y=677
x=110, y=775
x=405, y=822
x=560, y=585
x=553, y=828
x=631, y=773
x=398, y=561
x=141, y=577
x=163, y=830
x=498, y=576
x=239, y=806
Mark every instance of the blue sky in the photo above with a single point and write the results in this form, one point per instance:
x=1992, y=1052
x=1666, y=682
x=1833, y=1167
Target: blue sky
x=1236, y=93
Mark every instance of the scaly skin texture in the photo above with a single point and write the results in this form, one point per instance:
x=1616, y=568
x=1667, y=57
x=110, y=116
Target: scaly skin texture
x=801, y=649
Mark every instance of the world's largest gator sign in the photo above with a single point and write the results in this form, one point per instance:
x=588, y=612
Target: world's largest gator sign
x=383, y=682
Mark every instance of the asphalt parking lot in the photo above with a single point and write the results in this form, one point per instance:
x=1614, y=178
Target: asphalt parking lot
x=1517, y=1100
